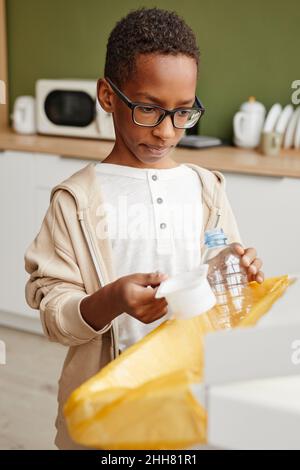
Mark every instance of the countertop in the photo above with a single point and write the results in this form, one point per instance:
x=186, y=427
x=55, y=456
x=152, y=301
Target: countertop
x=225, y=158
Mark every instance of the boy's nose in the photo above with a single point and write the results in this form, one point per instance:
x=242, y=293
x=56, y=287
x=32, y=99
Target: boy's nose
x=165, y=130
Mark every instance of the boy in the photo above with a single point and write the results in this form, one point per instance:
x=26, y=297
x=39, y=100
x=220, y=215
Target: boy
x=112, y=232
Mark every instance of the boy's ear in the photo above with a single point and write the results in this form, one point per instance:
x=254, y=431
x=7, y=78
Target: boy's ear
x=105, y=95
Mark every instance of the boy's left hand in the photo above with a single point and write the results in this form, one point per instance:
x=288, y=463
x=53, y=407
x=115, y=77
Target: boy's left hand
x=250, y=261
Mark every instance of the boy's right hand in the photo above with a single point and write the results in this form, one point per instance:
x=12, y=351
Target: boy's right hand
x=136, y=296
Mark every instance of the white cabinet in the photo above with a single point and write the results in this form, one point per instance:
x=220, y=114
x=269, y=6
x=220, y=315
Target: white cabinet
x=17, y=220
x=267, y=210
x=50, y=170
x=26, y=181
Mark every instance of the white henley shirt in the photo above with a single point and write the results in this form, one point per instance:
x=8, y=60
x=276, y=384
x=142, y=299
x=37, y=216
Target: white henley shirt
x=154, y=220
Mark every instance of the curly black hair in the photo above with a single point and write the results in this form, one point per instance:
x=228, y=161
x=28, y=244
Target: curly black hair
x=144, y=31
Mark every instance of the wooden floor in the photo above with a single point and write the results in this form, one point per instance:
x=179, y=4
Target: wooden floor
x=28, y=389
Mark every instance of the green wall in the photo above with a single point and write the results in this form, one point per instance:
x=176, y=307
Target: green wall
x=248, y=47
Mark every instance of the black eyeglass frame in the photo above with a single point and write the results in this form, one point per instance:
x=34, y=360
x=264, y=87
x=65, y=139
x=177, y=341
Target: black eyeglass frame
x=132, y=105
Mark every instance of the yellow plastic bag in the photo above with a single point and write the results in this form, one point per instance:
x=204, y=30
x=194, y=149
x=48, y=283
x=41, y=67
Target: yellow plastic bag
x=143, y=399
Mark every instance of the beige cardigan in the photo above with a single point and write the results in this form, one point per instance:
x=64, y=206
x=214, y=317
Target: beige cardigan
x=67, y=261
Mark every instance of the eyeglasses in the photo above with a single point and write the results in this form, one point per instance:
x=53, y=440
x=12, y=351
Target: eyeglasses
x=152, y=115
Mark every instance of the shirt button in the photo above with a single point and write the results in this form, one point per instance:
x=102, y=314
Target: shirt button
x=154, y=177
x=159, y=200
x=163, y=225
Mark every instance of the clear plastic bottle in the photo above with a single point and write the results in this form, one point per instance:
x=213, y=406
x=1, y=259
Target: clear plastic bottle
x=228, y=280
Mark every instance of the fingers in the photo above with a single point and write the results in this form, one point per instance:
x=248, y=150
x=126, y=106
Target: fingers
x=260, y=277
x=152, y=312
x=146, y=295
x=254, y=272
x=248, y=256
x=251, y=262
x=255, y=266
x=238, y=248
x=149, y=279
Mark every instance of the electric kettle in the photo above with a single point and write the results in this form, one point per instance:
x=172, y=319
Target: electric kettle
x=24, y=115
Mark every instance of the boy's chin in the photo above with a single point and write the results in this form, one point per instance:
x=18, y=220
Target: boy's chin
x=147, y=156
x=150, y=160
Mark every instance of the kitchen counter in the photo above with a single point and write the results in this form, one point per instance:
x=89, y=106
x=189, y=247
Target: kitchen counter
x=227, y=159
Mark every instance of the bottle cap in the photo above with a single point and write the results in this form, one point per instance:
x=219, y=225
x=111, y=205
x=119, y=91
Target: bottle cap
x=215, y=237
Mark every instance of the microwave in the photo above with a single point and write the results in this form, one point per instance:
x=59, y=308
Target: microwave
x=70, y=107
